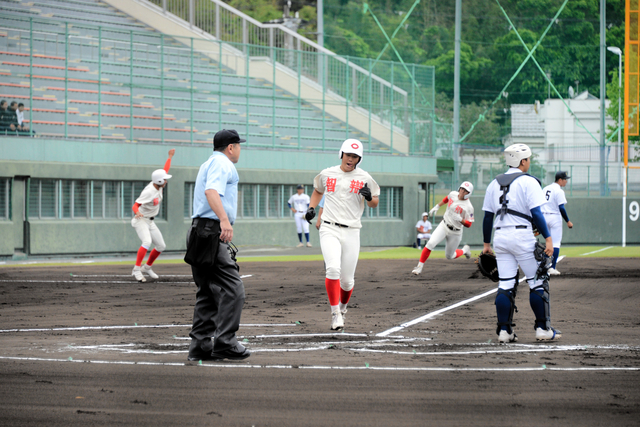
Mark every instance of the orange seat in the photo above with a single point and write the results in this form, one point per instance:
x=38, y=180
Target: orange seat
x=116, y=104
x=36, y=98
x=55, y=67
x=35, y=55
x=87, y=91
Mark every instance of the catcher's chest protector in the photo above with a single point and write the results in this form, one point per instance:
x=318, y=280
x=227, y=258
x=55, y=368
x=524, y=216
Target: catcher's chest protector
x=505, y=180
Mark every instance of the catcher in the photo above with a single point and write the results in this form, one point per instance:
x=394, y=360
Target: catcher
x=514, y=199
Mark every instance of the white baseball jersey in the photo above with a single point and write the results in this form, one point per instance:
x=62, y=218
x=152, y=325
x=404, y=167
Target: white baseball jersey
x=458, y=211
x=300, y=202
x=426, y=225
x=149, y=201
x=343, y=203
x=555, y=197
x=524, y=194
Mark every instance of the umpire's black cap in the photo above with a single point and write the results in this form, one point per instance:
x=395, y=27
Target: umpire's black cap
x=562, y=175
x=225, y=137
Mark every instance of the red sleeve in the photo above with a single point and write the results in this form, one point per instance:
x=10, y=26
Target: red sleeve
x=467, y=223
x=445, y=200
x=167, y=165
x=135, y=207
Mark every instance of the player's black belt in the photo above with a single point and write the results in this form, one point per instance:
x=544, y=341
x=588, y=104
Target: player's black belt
x=451, y=227
x=336, y=224
x=520, y=227
x=152, y=218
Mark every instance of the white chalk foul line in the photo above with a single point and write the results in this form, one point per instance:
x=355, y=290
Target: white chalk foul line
x=320, y=367
x=434, y=313
x=89, y=328
x=129, y=275
x=595, y=252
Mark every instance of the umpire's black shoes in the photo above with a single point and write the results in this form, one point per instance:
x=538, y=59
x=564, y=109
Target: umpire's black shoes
x=200, y=350
x=237, y=352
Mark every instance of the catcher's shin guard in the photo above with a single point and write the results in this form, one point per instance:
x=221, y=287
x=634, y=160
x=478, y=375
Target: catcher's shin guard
x=539, y=300
x=505, y=306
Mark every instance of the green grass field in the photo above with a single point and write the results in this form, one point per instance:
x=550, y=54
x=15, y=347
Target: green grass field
x=395, y=253
x=411, y=253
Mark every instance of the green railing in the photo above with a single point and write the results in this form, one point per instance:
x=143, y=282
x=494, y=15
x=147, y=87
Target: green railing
x=99, y=82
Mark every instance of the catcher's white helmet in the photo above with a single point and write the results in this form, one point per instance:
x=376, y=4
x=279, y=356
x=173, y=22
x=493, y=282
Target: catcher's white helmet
x=352, y=146
x=467, y=186
x=159, y=176
x=516, y=152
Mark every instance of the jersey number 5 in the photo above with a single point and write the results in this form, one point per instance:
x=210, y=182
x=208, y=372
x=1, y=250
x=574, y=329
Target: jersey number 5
x=548, y=193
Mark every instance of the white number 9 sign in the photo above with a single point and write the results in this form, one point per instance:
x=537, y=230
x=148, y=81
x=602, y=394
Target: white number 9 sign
x=634, y=211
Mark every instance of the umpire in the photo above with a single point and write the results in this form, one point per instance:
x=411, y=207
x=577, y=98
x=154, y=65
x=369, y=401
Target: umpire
x=220, y=294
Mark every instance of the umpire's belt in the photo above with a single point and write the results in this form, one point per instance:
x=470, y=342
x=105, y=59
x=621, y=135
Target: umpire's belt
x=451, y=227
x=519, y=227
x=336, y=224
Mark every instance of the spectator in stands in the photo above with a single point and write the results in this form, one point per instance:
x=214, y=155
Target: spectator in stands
x=13, y=112
x=20, y=117
x=6, y=119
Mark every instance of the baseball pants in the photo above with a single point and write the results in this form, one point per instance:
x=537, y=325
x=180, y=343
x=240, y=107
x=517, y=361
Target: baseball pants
x=219, y=301
x=514, y=247
x=424, y=236
x=149, y=233
x=441, y=233
x=340, y=249
x=301, y=224
x=554, y=223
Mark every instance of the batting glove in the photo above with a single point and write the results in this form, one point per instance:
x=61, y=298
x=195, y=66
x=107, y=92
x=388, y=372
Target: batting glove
x=433, y=211
x=366, y=193
x=311, y=213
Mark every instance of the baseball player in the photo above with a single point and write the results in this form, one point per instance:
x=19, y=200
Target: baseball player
x=299, y=203
x=554, y=212
x=515, y=198
x=459, y=214
x=424, y=229
x=146, y=208
x=346, y=188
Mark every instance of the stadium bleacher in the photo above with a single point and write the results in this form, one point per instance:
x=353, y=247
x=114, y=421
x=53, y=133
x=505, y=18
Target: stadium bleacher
x=122, y=80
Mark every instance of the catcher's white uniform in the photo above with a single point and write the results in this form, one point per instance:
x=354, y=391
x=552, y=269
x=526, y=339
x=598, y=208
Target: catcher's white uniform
x=340, y=230
x=300, y=202
x=450, y=228
x=513, y=241
x=551, y=209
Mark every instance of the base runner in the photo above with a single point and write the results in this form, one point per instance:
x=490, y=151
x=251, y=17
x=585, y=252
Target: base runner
x=345, y=188
x=459, y=214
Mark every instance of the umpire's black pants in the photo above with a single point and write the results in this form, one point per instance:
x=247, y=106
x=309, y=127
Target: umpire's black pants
x=219, y=300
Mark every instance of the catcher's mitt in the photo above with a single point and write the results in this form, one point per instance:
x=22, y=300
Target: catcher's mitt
x=488, y=266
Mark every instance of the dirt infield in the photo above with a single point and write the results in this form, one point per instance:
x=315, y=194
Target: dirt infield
x=89, y=345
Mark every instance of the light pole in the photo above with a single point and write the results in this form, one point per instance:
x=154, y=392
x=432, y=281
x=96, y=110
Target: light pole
x=617, y=51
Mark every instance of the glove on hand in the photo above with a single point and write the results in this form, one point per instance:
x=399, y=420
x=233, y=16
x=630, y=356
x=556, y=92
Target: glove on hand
x=366, y=192
x=311, y=213
x=433, y=211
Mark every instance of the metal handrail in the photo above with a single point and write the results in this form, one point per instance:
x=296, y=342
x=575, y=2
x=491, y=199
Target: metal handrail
x=301, y=41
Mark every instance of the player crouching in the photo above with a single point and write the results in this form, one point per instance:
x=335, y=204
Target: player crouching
x=459, y=214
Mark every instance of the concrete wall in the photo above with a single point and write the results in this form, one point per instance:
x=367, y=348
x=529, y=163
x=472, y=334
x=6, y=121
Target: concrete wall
x=58, y=159
x=596, y=221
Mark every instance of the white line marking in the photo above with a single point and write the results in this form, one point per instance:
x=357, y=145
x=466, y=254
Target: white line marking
x=435, y=313
x=128, y=275
x=595, y=252
x=442, y=310
x=88, y=328
x=560, y=258
x=318, y=367
x=132, y=281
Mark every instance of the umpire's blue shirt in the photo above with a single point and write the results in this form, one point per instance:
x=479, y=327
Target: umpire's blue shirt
x=217, y=173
